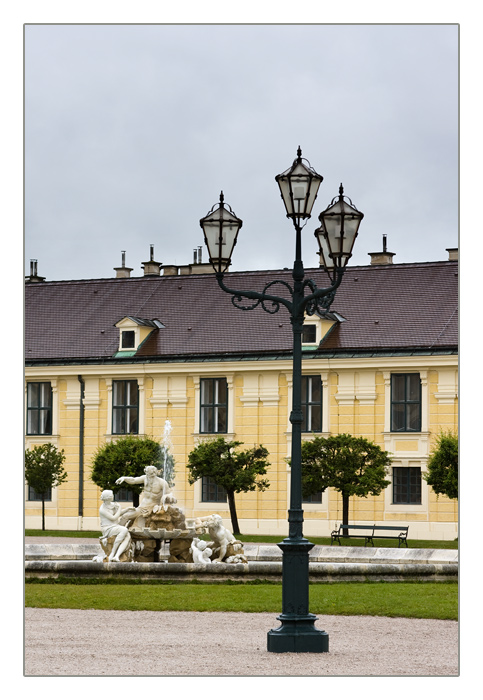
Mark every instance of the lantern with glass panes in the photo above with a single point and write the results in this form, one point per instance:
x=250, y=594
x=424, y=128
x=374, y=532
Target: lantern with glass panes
x=339, y=226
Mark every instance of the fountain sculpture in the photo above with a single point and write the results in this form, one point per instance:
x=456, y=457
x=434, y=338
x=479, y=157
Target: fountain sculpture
x=138, y=533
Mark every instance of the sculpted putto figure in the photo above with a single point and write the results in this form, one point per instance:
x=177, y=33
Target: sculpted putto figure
x=200, y=551
x=109, y=514
x=219, y=534
x=155, y=489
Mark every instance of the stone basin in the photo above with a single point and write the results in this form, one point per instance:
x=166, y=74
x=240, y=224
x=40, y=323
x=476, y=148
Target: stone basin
x=163, y=534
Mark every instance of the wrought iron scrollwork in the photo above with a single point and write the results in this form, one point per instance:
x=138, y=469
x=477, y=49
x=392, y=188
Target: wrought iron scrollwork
x=269, y=302
x=319, y=300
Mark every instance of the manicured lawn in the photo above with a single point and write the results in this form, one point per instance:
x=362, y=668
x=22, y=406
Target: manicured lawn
x=417, y=600
x=416, y=544
x=351, y=542
x=63, y=533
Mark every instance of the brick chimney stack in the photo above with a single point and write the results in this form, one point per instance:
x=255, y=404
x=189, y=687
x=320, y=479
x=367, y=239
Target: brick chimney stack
x=34, y=277
x=383, y=258
x=151, y=267
x=452, y=253
x=123, y=271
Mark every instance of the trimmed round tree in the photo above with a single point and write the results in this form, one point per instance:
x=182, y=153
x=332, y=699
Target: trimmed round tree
x=236, y=472
x=351, y=465
x=128, y=456
x=44, y=470
x=442, y=473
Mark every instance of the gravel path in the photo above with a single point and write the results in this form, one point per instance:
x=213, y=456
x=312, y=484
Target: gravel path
x=125, y=643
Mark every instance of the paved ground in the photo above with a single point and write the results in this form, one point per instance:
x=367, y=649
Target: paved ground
x=125, y=643
x=114, y=643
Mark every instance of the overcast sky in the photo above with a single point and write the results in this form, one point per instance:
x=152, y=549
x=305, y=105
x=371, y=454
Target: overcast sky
x=132, y=131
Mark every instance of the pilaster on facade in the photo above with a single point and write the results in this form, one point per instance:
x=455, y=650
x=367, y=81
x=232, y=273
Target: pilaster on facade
x=447, y=386
x=260, y=388
x=92, y=398
x=169, y=390
x=251, y=390
x=73, y=394
x=356, y=386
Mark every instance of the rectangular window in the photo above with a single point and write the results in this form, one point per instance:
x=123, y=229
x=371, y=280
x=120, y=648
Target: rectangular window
x=34, y=496
x=39, y=408
x=405, y=403
x=314, y=498
x=213, y=406
x=211, y=492
x=125, y=407
x=124, y=494
x=312, y=404
x=406, y=485
x=309, y=333
x=128, y=339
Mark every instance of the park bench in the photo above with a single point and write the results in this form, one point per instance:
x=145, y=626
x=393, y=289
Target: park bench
x=371, y=532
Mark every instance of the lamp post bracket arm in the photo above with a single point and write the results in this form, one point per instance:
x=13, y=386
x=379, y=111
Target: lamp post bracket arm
x=258, y=297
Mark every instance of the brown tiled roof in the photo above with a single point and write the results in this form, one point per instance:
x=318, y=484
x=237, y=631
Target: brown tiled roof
x=387, y=308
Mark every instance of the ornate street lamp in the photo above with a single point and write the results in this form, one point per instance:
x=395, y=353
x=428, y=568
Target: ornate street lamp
x=220, y=227
x=339, y=225
x=337, y=233
x=299, y=185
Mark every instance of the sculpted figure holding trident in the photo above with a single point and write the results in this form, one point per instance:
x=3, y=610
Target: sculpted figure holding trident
x=152, y=497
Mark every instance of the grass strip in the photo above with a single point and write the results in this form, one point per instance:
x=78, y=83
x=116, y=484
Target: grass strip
x=273, y=539
x=413, y=600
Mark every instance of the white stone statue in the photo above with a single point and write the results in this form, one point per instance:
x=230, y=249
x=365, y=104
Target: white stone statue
x=221, y=537
x=200, y=551
x=109, y=514
x=155, y=491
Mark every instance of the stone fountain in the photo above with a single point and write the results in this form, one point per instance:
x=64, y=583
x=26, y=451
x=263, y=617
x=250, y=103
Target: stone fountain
x=138, y=534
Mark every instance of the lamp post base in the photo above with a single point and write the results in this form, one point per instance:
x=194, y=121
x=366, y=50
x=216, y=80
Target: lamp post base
x=297, y=632
x=297, y=635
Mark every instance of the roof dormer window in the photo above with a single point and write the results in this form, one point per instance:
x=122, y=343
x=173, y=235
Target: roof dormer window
x=317, y=327
x=133, y=332
x=309, y=333
x=128, y=340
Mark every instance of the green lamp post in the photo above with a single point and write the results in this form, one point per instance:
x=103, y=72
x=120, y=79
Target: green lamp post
x=340, y=222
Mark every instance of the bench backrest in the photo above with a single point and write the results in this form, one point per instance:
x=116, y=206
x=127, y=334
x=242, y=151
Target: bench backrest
x=356, y=527
x=374, y=528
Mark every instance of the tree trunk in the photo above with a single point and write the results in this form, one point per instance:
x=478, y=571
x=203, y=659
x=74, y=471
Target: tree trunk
x=233, y=515
x=43, y=513
x=345, y=513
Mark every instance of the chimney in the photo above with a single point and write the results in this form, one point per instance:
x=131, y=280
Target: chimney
x=34, y=277
x=452, y=254
x=383, y=258
x=151, y=267
x=123, y=271
x=197, y=255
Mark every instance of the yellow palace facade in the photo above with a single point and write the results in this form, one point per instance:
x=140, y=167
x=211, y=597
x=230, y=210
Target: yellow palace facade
x=109, y=357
